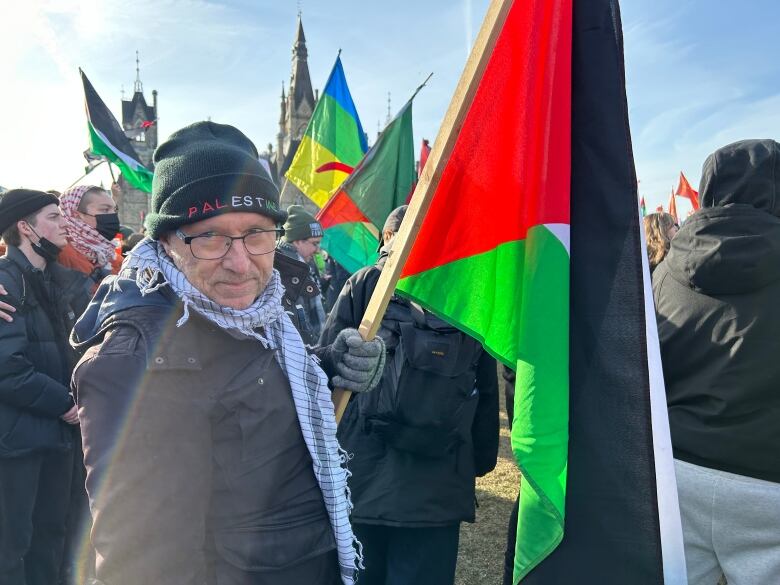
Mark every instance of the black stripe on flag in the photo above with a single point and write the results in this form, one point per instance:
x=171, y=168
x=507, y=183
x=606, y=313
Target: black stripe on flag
x=104, y=121
x=612, y=533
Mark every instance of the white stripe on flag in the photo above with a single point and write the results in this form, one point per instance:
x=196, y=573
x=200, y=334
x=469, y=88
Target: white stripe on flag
x=672, y=549
x=132, y=163
x=562, y=231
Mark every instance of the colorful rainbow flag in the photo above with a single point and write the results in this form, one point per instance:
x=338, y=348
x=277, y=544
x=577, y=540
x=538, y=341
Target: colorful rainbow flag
x=334, y=142
x=354, y=216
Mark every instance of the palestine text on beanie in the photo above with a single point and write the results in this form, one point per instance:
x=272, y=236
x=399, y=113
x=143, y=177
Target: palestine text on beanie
x=204, y=170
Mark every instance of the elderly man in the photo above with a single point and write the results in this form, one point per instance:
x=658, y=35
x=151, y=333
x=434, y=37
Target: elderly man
x=208, y=430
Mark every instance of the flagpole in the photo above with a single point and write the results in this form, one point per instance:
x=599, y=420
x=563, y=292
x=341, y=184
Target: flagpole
x=431, y=176
x=85, y=174
x=113, y=178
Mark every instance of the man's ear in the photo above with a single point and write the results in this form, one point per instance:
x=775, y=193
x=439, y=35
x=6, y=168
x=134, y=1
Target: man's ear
x=24, y=229
x=165, y=241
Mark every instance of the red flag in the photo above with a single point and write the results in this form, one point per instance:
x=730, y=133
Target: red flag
x=425, y=150
x=673, y=207
x=684, y=189
x=147, y=124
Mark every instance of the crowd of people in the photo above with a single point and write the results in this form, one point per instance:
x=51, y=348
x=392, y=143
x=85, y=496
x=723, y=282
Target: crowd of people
x=166, y=413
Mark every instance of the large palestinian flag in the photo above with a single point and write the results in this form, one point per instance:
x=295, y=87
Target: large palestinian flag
x=107, y=139
x=532, y=244
x=354, y=216
x=333, y=144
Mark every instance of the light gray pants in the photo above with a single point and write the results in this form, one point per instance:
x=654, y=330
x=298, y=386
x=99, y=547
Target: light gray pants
x=731, y=526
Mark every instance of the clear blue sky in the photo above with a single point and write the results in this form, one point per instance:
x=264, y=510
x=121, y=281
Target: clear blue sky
x=700, y=73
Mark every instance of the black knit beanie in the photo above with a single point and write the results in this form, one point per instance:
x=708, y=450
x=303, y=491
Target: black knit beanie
x=204, y=170
x=301, y=225
x=17, y=204
x=392, y=223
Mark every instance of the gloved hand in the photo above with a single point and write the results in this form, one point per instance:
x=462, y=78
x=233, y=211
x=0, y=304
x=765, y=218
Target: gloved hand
x=359, y=363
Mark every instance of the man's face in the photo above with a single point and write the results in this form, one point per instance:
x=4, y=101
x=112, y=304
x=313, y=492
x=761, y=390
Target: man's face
x=308, y=247
x=99, y=202
x=236, y=279
x=48, y=224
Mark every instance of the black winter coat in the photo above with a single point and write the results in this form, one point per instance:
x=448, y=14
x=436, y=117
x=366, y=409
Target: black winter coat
x=396, y=488
x=35, y=358
x=717, y=296
x=186, y=443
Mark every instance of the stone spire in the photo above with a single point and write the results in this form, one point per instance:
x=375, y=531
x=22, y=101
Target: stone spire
x=138, y=87
x=300, y=102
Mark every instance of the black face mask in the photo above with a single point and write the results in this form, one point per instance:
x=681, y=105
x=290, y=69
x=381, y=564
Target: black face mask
x=107, y=225
x=45, y=248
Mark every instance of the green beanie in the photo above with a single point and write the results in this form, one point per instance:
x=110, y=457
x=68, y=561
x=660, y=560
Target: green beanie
x=301, y=225
x=204, y=170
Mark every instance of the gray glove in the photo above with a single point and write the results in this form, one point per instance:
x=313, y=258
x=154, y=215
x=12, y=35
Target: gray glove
x=359, y=363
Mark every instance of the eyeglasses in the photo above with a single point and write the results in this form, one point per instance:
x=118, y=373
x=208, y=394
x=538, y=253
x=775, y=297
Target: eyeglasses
x=211, y=246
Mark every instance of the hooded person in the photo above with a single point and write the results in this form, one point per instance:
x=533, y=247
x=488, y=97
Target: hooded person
x=716, y=296
x=302, y=239
x=37, y=413
x=92, y=222
x=209, y=432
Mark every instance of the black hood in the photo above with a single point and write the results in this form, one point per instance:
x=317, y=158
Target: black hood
x=733, y=249
x=746, y=172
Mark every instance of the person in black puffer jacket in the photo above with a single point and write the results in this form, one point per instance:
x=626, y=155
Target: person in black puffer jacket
x=36, y=407
x=716, y=295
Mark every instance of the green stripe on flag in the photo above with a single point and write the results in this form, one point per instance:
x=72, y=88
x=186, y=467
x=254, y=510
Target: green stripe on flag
x=518, y=305
x=136, y=175
x=331, y=129
x=540, y=430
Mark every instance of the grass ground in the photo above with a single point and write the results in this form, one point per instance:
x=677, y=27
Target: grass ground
x=482, y=544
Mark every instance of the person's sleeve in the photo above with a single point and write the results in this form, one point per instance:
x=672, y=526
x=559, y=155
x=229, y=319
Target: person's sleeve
x=21, y=385
x=147, y=450
x=347, y=312
x=485, y=427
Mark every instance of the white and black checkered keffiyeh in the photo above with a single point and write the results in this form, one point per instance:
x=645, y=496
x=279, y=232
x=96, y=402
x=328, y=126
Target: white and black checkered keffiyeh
x=309, y=384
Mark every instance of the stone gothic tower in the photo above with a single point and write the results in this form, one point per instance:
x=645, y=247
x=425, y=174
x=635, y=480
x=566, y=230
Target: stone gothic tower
x=296, y=108
x=139, y=121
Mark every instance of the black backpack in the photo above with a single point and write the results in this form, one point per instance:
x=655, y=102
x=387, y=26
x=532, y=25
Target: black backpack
x=426, y=400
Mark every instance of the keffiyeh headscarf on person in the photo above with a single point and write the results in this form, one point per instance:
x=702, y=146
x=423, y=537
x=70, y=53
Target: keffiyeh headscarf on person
x=266, y=321
x=83, y=237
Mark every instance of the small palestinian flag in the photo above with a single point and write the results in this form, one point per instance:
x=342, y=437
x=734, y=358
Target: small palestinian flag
x=106, y=138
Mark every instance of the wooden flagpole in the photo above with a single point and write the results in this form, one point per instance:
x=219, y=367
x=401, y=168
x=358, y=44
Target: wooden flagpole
x=431, y=176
